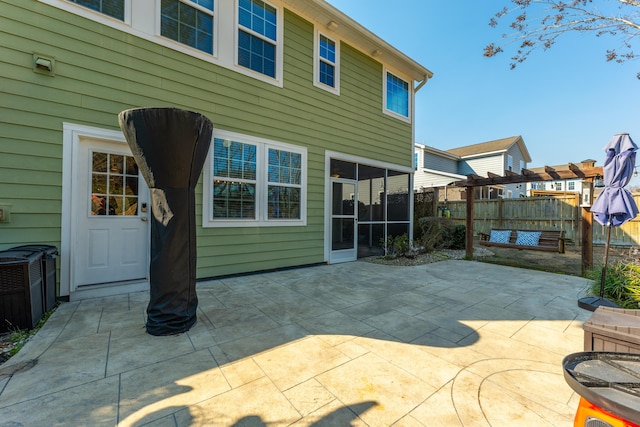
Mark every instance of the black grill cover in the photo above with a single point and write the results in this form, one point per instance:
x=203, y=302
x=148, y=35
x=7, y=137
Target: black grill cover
x=170, y=147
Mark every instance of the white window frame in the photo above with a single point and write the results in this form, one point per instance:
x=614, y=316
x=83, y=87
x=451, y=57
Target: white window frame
x=262, y=184
x=509, y=162
x=185, y=47
x=142, y=19
x=392, y=113
x=571, y=185
x=317, y=59
x=523, y=165
x=94, y=15
x=279, y=44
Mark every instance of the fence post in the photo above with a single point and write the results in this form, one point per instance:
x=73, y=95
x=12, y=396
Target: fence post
x=436, y=200
x=587, y=234
x=470, y=220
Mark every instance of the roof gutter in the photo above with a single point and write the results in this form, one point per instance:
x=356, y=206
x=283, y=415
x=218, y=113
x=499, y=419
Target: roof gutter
x=422, y=83
x=323, y=13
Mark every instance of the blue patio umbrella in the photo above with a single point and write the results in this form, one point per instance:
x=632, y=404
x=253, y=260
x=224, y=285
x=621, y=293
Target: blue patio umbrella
x=615, y=205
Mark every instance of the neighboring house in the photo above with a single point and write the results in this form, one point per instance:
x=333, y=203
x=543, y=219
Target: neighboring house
x=559, y=186
x=312, y=152
x=437, y=168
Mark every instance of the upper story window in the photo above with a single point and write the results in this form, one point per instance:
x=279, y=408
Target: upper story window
x=257, y=36
x=112, y=8
x=251, y=181
x=396, y=96
x=510, y=162
x=245, y=36
x=523, y=165
x=571, y=185
x=189, y=22
x=326, y=66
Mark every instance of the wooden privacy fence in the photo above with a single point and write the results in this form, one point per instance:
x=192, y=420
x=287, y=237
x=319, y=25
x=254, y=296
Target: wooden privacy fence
x=561, y=212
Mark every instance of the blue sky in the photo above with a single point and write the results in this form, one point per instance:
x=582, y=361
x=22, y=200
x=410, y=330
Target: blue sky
x=566, y=102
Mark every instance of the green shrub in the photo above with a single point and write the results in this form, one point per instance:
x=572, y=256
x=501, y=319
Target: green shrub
x=440, y=233
x=621, y=285
x=396, y=246
x=454, y=237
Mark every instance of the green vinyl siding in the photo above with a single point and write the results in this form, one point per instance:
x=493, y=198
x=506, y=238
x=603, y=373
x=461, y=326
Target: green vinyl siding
x=100, y=71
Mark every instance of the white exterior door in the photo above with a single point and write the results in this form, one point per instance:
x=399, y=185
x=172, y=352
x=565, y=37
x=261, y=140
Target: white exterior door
x=344, y=221
x=109, y=218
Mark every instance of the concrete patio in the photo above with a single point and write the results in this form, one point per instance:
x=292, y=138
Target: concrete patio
x=453, y=343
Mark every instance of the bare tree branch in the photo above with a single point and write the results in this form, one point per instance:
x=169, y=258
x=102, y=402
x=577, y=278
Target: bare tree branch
x=537, y=24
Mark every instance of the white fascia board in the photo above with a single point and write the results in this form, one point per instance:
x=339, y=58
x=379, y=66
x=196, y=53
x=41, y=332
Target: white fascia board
x=487, y=154
x=447, y=174
x=441, y=153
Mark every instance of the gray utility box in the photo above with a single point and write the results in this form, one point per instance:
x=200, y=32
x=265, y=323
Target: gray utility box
x=21, y=290
x=613, y=330
x=49, y=255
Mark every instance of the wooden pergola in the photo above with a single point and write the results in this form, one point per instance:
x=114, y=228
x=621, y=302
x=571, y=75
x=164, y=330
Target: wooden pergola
x=585, y=171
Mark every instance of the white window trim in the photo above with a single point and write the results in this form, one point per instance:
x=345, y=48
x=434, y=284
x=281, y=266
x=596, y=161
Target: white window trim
x=388, y=112
x=189, y=50
x=279, y=45
x=316, y=62
x=142, y=19
x=509, y=162
x=261, y=220
x=88, y=13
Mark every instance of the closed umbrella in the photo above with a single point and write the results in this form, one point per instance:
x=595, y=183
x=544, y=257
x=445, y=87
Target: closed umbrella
x=615, y=205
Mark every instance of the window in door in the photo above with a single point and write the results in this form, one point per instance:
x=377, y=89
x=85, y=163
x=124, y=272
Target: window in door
x=114, y=185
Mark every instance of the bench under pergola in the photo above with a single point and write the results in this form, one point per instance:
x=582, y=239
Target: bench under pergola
x=585, y=170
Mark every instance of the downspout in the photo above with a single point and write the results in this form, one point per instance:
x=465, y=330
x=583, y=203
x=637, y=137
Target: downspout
x=413, y=149
x=422, y=83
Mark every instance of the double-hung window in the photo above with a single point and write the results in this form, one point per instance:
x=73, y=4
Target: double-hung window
x=284, y=183
x=251, y=181
x=234, y=179
x=189, y=22
x=112, y=8
x=396, y=96
x=245, y=36
x=257, y=36
x=326, y=68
